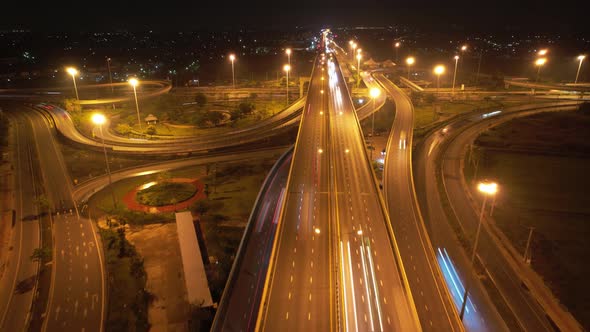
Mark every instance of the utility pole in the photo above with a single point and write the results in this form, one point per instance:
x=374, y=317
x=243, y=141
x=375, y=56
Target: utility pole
x=528, y=244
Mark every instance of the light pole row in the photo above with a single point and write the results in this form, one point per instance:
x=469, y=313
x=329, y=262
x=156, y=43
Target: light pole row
x=134, y=82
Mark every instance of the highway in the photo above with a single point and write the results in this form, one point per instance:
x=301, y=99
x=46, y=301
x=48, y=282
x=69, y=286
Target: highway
x=15, y=305
x=527, y=312
x=76, y=299
x=280, y=123
x=334, y=263
x=435, y=307
x=300, y=280
x=443, y=264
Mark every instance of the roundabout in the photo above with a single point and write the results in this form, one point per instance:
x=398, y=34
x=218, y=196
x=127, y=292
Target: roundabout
x=165, y=196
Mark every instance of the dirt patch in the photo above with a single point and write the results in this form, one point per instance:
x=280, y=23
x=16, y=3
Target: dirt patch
x=158, y=245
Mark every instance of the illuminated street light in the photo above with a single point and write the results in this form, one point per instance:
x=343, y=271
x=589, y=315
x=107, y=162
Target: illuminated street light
x=438, y=70
x=543, y=52
x=110, y=78
x=288, y=52
x=397, y=45
x=358, y=69
x=134, y=82
x=287, y=68
x=73, y=72
x=353, y=45
x=232, y=58
x=539, y=63
x=374, y=93
x=488, y=189
x=99, y=119
x=463, y=48
x=455, y=74
x=581, y=58
x=410, y=61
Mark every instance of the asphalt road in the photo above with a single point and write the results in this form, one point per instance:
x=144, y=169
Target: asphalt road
x=440, y=256
x=375, y=294
x=435, y=307
x=334, y=264
x=77, y=292
x=277, y=124
x=15, y=301
x=526, y=311
x=299, y=284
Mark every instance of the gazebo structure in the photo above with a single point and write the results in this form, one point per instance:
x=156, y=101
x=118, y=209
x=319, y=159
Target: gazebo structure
x=151, y=119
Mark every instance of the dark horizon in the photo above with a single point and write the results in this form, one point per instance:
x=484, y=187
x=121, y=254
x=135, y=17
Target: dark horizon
x=429, y=15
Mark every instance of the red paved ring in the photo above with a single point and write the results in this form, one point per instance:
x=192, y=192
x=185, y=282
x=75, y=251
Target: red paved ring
x=132, y=204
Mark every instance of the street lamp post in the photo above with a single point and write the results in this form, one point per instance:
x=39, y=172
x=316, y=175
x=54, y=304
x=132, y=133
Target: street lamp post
x=353, y=45
x=397, y=44
x=287, y=68
x=539, y=63
x=288, y=52
x=374, y=92
x=438, y=70
x=358, y=69
x=488, y=189
x=232, y=58
x=73, y=72
x=581, y=58
x=455, y=74
x=410, y=61
x=110, y=78
x=134, y=82
x=99, y=119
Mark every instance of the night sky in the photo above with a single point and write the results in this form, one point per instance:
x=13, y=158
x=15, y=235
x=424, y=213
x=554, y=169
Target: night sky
x=169, y=15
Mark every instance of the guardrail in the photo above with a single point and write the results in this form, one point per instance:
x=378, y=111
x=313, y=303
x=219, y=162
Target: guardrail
x=410, y=84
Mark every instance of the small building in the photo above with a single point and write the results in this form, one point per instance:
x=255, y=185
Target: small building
x=151, y=119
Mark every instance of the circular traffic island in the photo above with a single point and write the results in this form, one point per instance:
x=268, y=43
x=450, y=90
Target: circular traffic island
x=165, y=193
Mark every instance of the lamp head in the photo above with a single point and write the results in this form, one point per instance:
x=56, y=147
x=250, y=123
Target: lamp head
x=98, y=119
x=133, y=81
x=488, y=188
x=374, y=92
x=286, y=68
x=439, y=70
x=72, y=71
x=410, y=60
x=540, y=61
x=232, y=57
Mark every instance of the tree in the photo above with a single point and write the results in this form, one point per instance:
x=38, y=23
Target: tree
x=41, y=254
x=151, y=130
x=201, y=99
x=72, y=105
x=122, y=249
x=236, y=114
x=246, y=108
x=201, y=206
x=214, y=117
x=123, y=129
